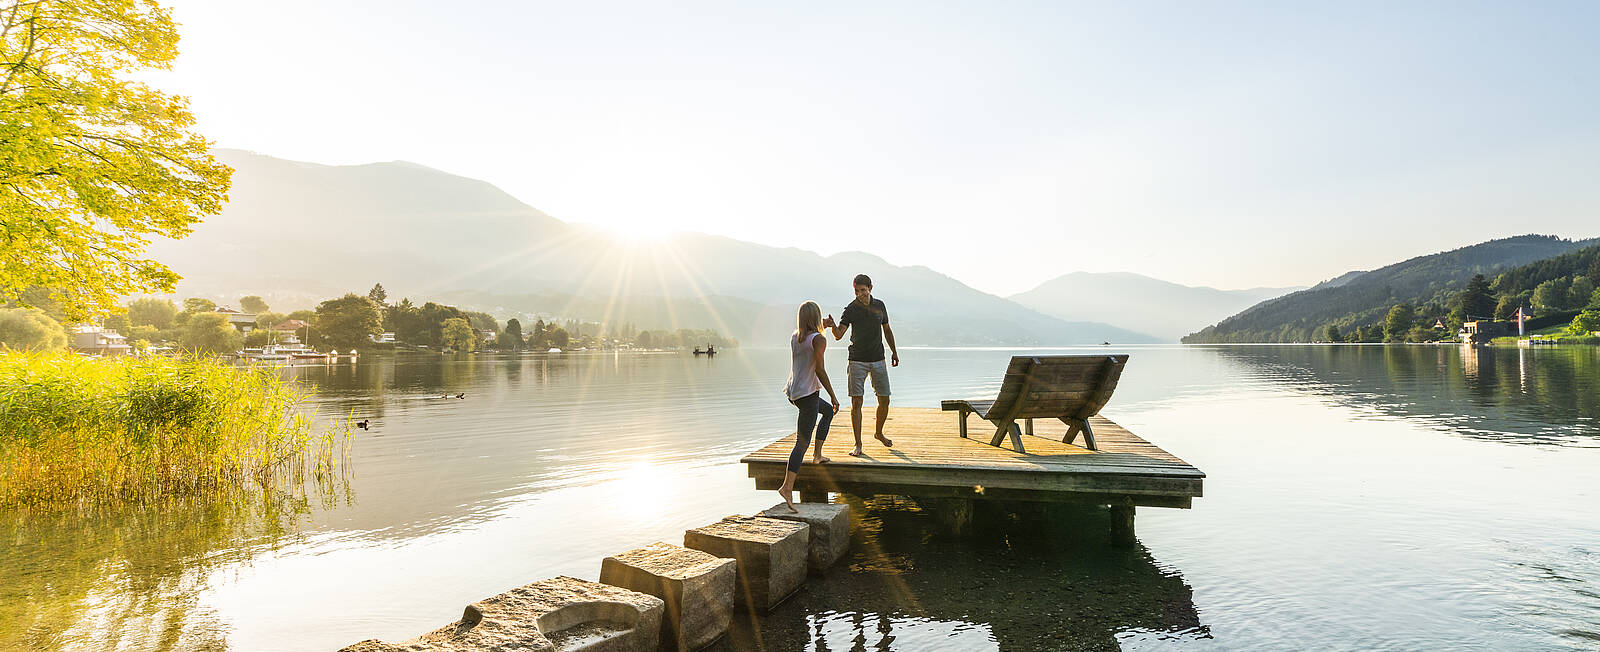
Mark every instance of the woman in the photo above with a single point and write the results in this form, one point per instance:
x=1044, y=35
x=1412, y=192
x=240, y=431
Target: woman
x=807, y=379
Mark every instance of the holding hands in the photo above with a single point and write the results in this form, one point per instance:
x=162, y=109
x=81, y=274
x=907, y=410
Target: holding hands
x=828, y=322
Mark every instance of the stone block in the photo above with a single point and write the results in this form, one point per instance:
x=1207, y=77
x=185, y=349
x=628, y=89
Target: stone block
x=698, y=589
x=771, y=555
x=830, y=530
x=563, y=614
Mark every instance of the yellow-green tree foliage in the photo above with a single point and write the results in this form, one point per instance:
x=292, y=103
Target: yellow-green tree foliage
x=30, y=328
x=93, y=165
x=458, y=334
x=209, y=332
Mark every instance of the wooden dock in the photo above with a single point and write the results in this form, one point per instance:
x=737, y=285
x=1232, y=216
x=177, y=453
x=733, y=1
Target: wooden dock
x=930, y=459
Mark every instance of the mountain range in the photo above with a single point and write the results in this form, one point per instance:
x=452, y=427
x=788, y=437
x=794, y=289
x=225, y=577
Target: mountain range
x=1362, y=298
x=1161, y=308
x=295, y=232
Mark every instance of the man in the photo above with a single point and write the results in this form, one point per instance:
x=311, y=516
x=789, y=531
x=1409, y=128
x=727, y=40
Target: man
x=868, y=322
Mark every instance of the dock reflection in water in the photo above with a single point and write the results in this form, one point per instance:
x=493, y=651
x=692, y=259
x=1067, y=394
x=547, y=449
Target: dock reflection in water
x=1030, y=579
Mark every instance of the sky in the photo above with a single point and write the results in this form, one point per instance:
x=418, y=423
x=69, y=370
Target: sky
x=1224, y=144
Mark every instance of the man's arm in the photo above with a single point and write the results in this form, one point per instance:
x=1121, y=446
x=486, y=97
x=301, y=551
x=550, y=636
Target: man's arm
x=837, y=328
x=894, y=353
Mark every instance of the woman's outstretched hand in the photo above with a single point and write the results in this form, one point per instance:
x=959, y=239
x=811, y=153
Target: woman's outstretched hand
x=828, y=322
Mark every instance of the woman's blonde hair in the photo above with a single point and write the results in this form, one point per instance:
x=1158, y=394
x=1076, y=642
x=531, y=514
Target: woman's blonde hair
x=809, y=320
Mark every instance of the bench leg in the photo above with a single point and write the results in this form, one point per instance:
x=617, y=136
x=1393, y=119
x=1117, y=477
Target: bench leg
x=1029, y=421
x=1016, y=439
x=964, y=414
x=1075, y=426
x=1002, y=428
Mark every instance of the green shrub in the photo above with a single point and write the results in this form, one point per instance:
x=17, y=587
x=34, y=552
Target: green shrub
x=30, y=328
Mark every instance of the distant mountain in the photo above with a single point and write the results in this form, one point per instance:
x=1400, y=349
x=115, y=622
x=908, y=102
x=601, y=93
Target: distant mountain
x=301, y=231
x=1364, y=297
x=1161, y=308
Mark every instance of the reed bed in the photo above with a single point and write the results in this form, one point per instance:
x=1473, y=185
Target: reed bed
x=81, y=432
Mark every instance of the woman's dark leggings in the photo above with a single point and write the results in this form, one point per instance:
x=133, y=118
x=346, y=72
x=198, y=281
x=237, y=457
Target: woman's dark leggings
x=815, y=413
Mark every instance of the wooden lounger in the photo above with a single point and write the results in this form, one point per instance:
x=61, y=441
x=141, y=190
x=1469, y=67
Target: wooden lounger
x=1071, y=388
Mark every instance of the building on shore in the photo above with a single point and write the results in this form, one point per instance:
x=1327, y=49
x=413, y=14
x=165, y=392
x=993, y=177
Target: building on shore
x=243, y=321
x=99, y=340
x=1480, y=332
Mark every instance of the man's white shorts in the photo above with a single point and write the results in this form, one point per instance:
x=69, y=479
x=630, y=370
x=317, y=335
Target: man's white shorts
x=856, y=377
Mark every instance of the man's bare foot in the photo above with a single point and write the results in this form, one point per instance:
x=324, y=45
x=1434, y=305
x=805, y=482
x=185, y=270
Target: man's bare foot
x=820, y=460
x=788, y=498
x=885, y=440
x=857, y=452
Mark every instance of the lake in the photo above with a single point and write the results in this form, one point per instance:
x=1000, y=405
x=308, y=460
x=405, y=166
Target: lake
x=1358, y=498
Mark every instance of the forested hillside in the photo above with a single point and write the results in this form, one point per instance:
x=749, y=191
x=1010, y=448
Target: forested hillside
x=1425, y=285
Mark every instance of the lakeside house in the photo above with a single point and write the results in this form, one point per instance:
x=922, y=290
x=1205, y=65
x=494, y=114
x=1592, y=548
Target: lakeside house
x=243, y=321
x=382, y=338
x=1479, y=332
x=99, y=340
x=289, y=329
x=488, y=336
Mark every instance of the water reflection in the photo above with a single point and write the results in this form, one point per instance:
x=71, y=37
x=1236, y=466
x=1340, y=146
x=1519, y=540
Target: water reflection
x=1032, y=579
x=1544, y=396
x=130, y=577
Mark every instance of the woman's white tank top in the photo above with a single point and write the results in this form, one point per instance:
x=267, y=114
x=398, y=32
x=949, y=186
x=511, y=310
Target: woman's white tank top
x=803, y=379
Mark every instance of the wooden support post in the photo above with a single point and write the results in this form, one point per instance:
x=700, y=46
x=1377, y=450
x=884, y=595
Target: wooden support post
x=811, y=496
x=1122, y=534
x=964, y=413
x=1016, y=438
x=1029, y=421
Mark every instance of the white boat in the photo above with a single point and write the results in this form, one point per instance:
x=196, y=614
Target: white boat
x=270, y=352
x=553, y=350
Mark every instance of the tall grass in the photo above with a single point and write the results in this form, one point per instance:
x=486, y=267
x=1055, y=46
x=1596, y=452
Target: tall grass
x=81, y=432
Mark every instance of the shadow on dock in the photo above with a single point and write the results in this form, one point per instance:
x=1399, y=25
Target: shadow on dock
x=1042, y=578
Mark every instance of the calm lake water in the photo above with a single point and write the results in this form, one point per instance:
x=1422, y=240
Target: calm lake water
x=1358, y=498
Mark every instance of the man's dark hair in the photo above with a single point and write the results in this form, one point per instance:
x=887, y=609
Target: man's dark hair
x=863, y=279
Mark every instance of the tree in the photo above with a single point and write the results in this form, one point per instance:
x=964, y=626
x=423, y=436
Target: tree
x=347, y=322
x=1397, y=323
x=147, y=334
x=559, y=337
x=377, y=294
x=1420, y=333
x=1585, y=323
x=209, y=333
x=152, y=312
x=269, y=319
x=1551, y=296
x=644, y=340
x=511, y=338
x=1594, y=269
x=1506, y=308
x=253, y=304
x=196, y=305
x=94, y=164
x=303, y=315
x=118, y=322
x=1333, y=334
x=1578, y=295
x=30, y=328
x=457, y=334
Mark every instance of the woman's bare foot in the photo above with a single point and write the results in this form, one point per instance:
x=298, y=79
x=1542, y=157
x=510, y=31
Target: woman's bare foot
x=818, y=459
x=857, y=452
x=885, y=440
x=788, y=498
